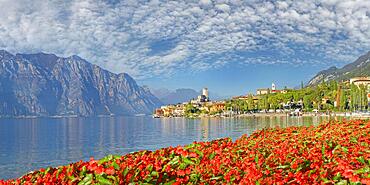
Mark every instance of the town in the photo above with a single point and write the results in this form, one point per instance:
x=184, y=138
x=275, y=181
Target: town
x=349, y=97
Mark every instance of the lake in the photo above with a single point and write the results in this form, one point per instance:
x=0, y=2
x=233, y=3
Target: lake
x=30, y=144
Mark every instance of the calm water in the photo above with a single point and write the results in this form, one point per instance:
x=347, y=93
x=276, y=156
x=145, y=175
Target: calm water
x=30, y=144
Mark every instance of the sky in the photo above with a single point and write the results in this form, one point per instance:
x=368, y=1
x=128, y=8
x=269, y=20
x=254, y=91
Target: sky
x=230, y=46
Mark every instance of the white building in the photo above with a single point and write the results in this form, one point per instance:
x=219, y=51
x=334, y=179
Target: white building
x=205, y=92
x=360, y=81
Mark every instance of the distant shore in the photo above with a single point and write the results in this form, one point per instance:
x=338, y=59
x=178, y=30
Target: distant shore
x=282, y=114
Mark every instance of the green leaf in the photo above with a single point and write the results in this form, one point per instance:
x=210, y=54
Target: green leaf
x=103, y=181
x=337, y=176
x=361, y=159
x=170, y=183
x=342, y=182
x=363, y=170
x=188, y=161
x=124, y=173
x=194, y=177
x=193, y=145
x=87, y=180
x=256, y=158
x=83, y=171
x=199, y=153
x=283, y=166
x=115, y=165
x=148, y=178
x=150, y=168
x=47, y=170
x=182, y=166
x=58, y=172
x=114, y=179
x=353, y=140
x=326, y=181
x=212, y=155
x=323, y=150
x=154, y=174
x=174, y=161
x=336, y=148
x=216, y=178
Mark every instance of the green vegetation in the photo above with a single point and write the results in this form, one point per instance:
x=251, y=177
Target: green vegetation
x=327, y=96
x=191, y=110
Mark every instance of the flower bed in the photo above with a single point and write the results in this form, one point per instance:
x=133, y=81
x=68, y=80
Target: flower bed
x=334, y=152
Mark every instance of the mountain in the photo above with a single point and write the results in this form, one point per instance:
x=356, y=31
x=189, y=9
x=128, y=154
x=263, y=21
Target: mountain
x=161, y=92
x=360, y=67
x=47, y=85
x=173, y=97
x=181, y=95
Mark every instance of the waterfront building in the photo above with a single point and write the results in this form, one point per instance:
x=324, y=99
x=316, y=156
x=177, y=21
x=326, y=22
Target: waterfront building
x=168, y=110
x=273, y=90
x=204, y=97
x=360, y=81
x=263, y=91
x=240, y=97
x=217, y=107
x=159, y=112
x=179, y=111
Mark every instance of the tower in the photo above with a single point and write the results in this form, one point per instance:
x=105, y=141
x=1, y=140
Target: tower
x=205, y=92
x=273, y=87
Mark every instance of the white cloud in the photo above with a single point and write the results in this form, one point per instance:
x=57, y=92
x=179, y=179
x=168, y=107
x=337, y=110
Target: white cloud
x=206, y=34
x=223, y=7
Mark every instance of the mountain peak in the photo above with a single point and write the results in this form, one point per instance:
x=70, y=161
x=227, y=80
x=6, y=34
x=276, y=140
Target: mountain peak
x=44, y=60
x=5, y=53
x=75, y=57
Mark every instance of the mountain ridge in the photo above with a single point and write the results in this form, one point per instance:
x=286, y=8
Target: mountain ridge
x=360, y=67
x=43, y=84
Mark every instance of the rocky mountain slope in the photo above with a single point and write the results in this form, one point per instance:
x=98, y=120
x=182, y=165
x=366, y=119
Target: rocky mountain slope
x=360, y=67
x=46, y=85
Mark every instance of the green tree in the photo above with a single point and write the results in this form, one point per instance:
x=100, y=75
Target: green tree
x=190, y=109
x=307, y=102
x=343, y=100
x=251, y=104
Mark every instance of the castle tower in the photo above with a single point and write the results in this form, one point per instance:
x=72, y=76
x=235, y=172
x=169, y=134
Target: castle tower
x=205, y=92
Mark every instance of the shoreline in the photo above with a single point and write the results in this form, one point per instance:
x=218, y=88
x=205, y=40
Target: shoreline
x=336, y=114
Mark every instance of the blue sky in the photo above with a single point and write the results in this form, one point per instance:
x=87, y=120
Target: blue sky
x=230, y=46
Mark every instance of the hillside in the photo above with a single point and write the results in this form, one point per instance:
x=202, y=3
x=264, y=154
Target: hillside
x=360, y=67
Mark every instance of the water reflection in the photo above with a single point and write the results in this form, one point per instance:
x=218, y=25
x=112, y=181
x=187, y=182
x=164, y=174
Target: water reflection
x=29, y=144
